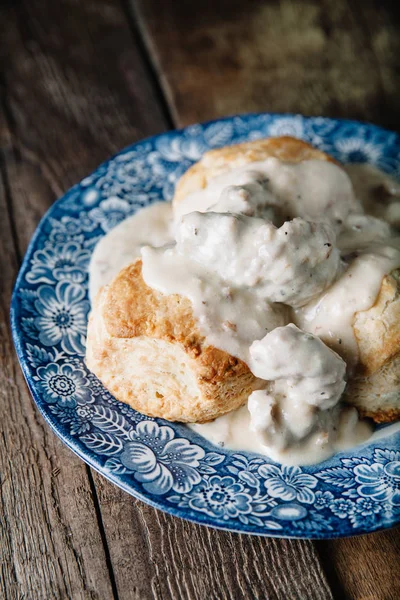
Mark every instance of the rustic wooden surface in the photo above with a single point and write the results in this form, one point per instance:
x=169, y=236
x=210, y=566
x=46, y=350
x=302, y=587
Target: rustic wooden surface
x=79, y=79
x=316, y=57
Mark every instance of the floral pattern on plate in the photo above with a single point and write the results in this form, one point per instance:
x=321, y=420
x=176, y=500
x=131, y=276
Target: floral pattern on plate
x=167, y=464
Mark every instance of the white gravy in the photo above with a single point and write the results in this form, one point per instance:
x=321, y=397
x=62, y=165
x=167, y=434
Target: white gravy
x=150, y=226
x=246, y=277
x=341, y=430
x=290, y=187
x=296, y=418
x=230, y=320
x=331, y=316
x=237, y=294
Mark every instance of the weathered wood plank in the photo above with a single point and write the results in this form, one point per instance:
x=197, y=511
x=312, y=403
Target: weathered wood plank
x=50, y=544
x=321, y=58
x=76, y=86
x=365, y=567
x=177, y=559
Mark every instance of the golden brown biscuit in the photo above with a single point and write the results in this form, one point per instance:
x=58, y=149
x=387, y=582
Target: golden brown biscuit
x=375, y=388
x=147, y=350
x=218, y=161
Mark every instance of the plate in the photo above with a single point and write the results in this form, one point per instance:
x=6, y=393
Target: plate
x=166, y=464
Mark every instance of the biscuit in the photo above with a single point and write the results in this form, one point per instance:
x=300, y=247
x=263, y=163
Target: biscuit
x=375, y=387
x=147, y=350
x=221, y=160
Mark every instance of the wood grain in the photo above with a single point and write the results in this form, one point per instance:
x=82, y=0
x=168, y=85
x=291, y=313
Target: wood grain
x=50, y=544
x=315, y=57
x=163, y=557
x=364, y=568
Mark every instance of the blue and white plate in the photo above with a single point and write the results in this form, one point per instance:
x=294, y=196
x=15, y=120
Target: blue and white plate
x=166, y=464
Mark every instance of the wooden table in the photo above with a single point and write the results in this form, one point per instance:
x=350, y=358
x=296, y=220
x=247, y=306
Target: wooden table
x=79, y=80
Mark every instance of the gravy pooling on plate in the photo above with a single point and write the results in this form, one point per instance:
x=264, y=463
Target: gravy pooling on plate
x=261, y=247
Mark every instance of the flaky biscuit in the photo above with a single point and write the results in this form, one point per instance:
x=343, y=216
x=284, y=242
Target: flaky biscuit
x=221, y=160
x=375, y=387
x=147, y=350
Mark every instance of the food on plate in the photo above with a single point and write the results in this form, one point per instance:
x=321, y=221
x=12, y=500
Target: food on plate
x=217, y=162
x=264, y=298
x=147, y=349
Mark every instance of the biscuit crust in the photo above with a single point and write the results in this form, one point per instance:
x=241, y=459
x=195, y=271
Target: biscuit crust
x=147, y=350
x=221, y=160
x=375, y=387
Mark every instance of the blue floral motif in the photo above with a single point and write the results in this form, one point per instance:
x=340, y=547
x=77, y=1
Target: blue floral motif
x=61, y=236
x=131, y=175
x=341, y=507
x=290, y=125
x=246, y=470
x=82, y=420
x=110, y=213
x=354, y=149
x=62, y=316
x=67, y=261
x=64, y=413
x=288, y=483
x=351, y=493
x=221, y=497
x=77, y=417
x=380, y=480
x=366, y=507
x=365, y=518
x=128, y=173
x=371, y=488
x=322, y=500
x=63, y=384
x=131, y=172
x=190, y=146
x=69, y=229
x=161, y=462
